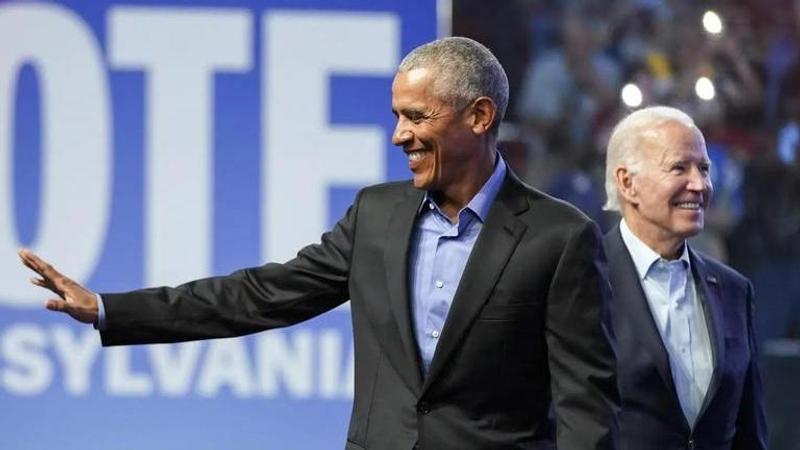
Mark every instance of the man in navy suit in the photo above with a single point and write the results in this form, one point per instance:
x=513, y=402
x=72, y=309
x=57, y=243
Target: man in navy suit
x=686, y=358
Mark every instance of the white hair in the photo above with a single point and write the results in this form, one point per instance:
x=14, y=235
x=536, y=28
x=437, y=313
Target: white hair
x=465, y=70
x=625, y=144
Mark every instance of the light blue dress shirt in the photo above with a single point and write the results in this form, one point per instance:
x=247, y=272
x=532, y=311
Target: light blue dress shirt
x=672, y=296
x=438, y=254
x=101, y=314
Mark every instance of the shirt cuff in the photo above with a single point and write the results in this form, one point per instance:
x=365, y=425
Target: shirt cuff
x=101, y=314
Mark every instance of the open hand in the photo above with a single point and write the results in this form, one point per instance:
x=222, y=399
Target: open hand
x=74, y=299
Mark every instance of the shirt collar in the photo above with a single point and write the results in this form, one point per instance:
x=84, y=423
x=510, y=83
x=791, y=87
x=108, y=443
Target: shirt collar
x=483, y=200
x=643, y=256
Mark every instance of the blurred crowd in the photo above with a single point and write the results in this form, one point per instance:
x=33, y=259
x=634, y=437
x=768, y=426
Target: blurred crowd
x=736, y=71
x=576, y=67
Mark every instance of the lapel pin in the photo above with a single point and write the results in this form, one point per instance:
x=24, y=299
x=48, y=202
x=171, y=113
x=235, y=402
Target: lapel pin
x=711, y=279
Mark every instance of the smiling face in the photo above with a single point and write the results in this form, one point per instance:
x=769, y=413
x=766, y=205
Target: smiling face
x=665, y=201
x=436, y=137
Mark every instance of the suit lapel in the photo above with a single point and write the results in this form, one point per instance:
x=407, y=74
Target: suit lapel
x=398, y=239
x=632, y=305
x=498, y=239
x=708, y=290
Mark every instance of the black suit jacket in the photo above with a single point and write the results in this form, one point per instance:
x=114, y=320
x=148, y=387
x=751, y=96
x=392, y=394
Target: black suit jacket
x=732, y=416
x=524, y=332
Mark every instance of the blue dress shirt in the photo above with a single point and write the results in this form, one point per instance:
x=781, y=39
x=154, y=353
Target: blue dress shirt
x=438, y=254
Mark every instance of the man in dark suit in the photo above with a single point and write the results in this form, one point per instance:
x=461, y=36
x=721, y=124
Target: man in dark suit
x=686, y=351
x=477, y=302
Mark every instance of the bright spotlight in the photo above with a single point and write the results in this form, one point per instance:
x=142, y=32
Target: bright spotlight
x=631, y=95
x=704, y=88
x=712, y=22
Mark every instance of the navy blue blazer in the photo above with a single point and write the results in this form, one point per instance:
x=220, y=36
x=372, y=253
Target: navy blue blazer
x=732, y=416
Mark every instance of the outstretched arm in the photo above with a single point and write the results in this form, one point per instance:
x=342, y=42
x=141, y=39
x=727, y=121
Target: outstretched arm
x=247, y=301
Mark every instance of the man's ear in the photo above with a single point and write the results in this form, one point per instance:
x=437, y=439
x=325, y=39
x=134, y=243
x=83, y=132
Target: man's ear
x=482, y=113
x=625, y=185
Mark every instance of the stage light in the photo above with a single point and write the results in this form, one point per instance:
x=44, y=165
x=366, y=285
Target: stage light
x=704, y=88
x=712, y=22
x=631, y=95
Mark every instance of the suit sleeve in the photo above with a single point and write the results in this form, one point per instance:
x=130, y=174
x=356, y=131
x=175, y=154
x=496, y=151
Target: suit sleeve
x=751, y=422
x=247, y=301
x=579, y=341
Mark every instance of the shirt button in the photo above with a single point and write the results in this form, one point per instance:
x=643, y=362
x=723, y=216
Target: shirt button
x=439, y=284
x=435, y=333
x=690, y=444
x=423, y=408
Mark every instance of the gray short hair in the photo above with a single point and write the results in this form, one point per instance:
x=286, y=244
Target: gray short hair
x=625, y=144
x=465, y=70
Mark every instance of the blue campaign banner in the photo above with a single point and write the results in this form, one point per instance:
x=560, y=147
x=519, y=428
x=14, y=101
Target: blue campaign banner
x=150, y=143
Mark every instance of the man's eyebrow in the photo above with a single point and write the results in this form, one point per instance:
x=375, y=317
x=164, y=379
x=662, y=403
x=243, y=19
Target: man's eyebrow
x=685, y=160
x=410, y=111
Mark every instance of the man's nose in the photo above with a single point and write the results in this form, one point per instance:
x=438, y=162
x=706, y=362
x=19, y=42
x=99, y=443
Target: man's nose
x=699, y=180
x=401, y=135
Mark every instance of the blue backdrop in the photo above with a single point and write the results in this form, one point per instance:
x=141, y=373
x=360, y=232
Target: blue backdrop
x=151, y=143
